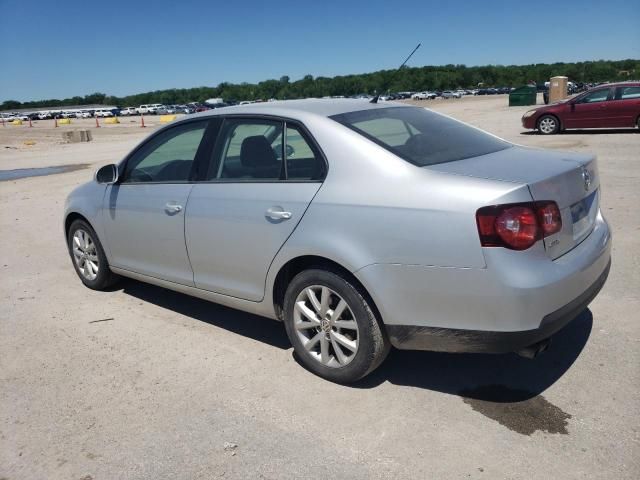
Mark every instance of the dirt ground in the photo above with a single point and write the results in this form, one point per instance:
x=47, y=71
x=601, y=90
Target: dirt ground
x=140, y=382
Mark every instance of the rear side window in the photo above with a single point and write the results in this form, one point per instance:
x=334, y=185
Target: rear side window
x=628, y=93
x=250, y=150
x=420, y=136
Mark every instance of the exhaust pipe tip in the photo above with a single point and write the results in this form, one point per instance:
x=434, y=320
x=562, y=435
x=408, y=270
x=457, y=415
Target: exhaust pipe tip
x=532, y=351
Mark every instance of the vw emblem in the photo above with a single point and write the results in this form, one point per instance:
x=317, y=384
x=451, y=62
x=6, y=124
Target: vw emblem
x=586, y=177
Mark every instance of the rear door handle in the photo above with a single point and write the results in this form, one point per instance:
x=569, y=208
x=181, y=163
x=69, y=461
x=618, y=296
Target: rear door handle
x=172, y=208
x=278, y=213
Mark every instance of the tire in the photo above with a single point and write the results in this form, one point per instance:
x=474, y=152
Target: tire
x=91, y=253
x=369, y=338
x=548, y=125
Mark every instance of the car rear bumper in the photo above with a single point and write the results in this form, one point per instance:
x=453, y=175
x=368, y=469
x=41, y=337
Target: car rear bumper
x=518, y=299
x=407, y=337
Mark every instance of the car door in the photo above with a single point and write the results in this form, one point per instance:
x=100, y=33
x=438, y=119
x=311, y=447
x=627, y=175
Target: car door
x=590, y=110
x=144, y=212
x=626, y=105
x=250, y=203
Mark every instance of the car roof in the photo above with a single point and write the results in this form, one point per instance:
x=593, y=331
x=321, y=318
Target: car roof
x=324, y=107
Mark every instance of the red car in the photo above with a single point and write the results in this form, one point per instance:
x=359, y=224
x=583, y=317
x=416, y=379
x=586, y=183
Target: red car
x=614, y=105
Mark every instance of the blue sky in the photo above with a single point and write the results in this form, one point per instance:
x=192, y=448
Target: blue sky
x=60, y=49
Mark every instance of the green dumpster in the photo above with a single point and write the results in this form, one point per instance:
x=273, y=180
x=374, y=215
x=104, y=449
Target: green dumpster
x=523, y=96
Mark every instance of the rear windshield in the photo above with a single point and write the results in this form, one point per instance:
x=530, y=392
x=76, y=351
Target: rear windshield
x=420, y=136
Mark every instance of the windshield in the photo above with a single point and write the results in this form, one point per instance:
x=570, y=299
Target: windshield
x=420, y=136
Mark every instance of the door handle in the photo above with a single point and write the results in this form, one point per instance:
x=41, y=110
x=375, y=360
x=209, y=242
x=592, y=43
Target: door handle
x=277, y=213
x=172, y=208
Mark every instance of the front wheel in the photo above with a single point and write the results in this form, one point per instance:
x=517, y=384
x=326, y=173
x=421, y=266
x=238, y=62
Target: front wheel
x=88, y=257
x=548, y=125
x=332, y=327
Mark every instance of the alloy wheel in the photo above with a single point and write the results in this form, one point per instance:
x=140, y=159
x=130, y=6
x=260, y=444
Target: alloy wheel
x=547, y=125
x=85, y=254
x=326, y=326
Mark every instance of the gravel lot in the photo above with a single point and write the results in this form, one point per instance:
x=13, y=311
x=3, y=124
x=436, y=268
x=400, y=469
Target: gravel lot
x=141, y=382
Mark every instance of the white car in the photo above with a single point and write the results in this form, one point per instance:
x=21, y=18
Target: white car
x=150, y=109
x=423, y=96
x=83, y=114
x=450, y=94
x=103, y=113
x=125, y=112
x=461, y=92
x=153, y=109
x=44, y=115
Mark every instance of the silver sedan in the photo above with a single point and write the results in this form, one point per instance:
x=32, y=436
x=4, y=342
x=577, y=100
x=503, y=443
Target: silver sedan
x=361, y=226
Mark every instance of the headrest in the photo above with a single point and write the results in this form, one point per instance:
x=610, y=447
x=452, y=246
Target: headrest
x=257, y=152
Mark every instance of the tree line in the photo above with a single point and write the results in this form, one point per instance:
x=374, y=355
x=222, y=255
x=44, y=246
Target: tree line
x=408, y=79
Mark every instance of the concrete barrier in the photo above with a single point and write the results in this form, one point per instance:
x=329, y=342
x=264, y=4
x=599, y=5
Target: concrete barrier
x=64, y=121
x=111, y=120
x=167, y=118
x=76, y=136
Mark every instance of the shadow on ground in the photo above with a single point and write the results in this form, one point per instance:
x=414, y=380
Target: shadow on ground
x=496, y=378
x=258, y=328
x=493, y=378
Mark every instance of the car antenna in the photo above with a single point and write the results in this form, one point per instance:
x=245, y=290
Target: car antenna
x=375, y=99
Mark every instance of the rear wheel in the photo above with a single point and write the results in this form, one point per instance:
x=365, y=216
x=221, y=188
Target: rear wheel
x=332, y=326
x=88, y=257
x=548, y=125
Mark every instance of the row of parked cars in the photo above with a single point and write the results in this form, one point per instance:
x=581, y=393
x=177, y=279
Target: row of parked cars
x=149, y=109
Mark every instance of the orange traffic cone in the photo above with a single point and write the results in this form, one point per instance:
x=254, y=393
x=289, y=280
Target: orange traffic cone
x=30, y=124
x=55, y=120
x=97, y=124
x=141, y=121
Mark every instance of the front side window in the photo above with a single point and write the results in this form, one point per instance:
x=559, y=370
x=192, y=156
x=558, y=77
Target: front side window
x=597, y=96
x=420, y=136
x=167, y=157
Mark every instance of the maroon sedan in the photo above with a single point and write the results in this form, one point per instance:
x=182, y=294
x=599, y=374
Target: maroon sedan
x=606, y=106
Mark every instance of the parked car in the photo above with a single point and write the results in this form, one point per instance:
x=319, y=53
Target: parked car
x=128, y=111
x=184, y=109
x=423, y=96
x=148, y=109
x=44, y=115
x=450, y=94
x=482, y=251
x=608, y=106
x=103, y=112
x=83, y=114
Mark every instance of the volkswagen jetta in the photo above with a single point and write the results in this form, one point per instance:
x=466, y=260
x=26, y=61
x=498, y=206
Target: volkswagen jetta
x=361, y=226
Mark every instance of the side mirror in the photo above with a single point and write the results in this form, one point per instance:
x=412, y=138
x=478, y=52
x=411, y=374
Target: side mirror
x=107, y=175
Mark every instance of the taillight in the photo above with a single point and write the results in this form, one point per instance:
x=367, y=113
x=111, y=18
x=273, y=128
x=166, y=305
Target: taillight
x=549, y=217
x=517, y=226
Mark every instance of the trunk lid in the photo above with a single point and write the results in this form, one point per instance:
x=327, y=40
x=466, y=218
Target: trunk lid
x=569, y=179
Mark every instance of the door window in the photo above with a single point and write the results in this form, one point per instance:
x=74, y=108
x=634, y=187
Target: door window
x=597, y=96
x=248, y=150
x=167, y=157
x=628, y=93
x=303, y=160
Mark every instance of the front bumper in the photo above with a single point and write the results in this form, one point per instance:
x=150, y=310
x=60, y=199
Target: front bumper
x=407, y=337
